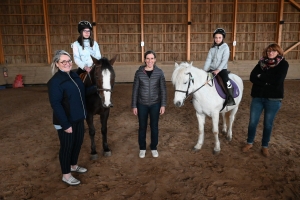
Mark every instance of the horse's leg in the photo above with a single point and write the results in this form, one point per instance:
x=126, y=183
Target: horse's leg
x=225, y=121
x=230, y=119
x=104, y=117
x=89, y=121
x=215, y=123
x=201, y=122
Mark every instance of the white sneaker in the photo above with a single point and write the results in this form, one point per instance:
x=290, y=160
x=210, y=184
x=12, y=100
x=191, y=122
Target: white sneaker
x=71, y=181
x=142, y=153
x=154, y=153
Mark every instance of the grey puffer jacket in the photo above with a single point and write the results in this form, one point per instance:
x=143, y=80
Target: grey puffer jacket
x=217, y=58
x=148, y=91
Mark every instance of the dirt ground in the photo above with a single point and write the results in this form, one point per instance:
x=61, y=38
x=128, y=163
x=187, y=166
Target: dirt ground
x=30, y=168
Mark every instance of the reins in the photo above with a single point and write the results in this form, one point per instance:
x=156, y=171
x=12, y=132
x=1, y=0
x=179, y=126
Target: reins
x=192, y=78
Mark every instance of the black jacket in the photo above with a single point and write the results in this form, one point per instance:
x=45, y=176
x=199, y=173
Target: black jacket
x=148, y=91
x=67, y=98
x=270, y=83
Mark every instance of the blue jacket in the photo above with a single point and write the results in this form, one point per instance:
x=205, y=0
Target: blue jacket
x=148, y=91
x=82, y=57
x=217, y=58
x=67, y=98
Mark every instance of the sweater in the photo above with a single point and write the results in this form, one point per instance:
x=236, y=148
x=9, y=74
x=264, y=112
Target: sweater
x=148, y=91
x=270, y=83
x=217, y=58
x=67, y=98
x=82, y=57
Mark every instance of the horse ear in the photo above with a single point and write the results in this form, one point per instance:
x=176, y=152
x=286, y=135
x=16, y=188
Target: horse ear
x=94, y=60
x=113, y=60
x=176, y=65
x=191, y=63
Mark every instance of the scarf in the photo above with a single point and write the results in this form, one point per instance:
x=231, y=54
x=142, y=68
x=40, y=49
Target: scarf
x=266, y=63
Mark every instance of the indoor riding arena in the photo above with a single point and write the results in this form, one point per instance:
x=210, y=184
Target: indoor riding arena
x=178, y=31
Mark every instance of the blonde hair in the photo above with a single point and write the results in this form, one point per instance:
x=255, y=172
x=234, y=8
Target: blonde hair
x=56, y=58
x=272, y=47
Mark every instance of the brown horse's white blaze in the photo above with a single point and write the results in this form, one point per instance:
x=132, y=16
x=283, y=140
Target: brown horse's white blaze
x=106, y=83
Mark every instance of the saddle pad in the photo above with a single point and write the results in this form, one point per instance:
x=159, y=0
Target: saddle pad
x=236, y=91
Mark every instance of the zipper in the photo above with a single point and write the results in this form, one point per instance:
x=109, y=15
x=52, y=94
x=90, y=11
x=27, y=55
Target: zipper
x=79, y=94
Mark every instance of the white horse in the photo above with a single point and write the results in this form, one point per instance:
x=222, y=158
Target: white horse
x=189, y=80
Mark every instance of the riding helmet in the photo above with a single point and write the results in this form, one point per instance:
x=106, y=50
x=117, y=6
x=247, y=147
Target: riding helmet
x=219, y=31
x=83, y=25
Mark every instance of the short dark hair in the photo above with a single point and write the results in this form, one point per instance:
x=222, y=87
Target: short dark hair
x=149, y=52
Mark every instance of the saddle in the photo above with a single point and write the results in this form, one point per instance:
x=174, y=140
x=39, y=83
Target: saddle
x=222, y=90
x=83, y=76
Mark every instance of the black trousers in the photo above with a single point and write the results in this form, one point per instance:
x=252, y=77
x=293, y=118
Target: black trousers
x=224, y=75
x=70, y=145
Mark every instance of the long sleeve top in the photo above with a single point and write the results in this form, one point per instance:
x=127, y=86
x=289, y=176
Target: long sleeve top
x=67, y=98
x=270, y=83
x=82, y=57
x=217, y=58
x=148, y=91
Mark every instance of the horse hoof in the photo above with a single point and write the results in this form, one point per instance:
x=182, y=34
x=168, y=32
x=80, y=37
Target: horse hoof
x=224, y=132
x=94, y=156
x=229, y=138
x=216, y=152
x=195, y=149
x=107, y=153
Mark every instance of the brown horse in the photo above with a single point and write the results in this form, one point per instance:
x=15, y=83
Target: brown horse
x=103, y=76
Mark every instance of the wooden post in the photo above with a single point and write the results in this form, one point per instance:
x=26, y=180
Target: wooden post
x=24, y=32
x=47, y=33
x=292, y=47
x=280, y=22
x=188, y=33
x=294, y=3
x=1, y=50
x=232, y=56
x=142, y=30
x=94, y=18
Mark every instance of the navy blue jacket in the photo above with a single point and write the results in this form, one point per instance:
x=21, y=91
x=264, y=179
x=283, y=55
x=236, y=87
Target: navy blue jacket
x=148, y=91
x=67, y=98
x=270, y=84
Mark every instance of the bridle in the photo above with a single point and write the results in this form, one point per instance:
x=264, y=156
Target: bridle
x=191, y=78
x=99, y=89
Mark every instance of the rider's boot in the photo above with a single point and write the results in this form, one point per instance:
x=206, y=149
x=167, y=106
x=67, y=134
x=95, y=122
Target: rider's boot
x=230, y=99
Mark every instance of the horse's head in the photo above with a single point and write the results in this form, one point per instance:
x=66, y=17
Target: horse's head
x=104, y=75
x=182, y=80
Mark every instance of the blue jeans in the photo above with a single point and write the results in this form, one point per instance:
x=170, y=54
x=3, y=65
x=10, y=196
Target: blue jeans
x=143, y=112
x=270, y=107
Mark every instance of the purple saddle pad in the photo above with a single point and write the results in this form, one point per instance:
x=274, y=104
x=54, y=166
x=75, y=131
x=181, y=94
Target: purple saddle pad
x=236, y=91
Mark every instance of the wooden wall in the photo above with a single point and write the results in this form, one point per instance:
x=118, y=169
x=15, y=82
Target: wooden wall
x=31, y=30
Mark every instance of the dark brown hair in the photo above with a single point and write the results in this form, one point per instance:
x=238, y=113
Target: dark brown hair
x=272, y=47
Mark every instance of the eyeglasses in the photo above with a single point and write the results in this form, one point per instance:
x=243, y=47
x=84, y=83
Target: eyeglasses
x=65, y=62
x=86, y=31
x=271, y=51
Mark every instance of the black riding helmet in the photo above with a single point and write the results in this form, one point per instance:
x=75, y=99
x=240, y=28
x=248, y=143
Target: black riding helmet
x=84, y=24
x=219, y=31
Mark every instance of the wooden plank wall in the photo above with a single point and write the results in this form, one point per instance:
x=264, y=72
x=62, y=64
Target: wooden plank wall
x=31, y=30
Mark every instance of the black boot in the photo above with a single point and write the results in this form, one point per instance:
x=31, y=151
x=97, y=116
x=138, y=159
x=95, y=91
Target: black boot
x=230, y=99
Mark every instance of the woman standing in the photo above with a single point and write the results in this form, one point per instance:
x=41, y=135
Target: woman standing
x=216, y=62
x=85, y=47
x=66, y=92
x=149, y=97
x=267, y=93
